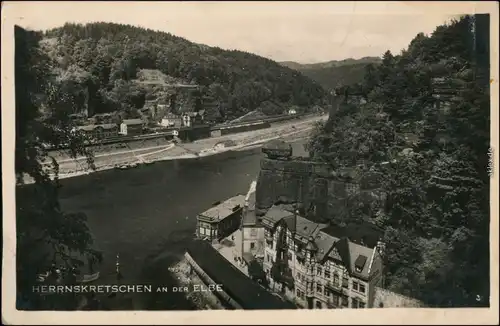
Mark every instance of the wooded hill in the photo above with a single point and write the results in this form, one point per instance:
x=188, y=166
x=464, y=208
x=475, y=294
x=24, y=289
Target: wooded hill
x=99, y=64
x=333, y=74
x=425, y=128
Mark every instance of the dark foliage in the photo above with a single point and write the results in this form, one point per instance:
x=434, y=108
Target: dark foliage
x=104, y=59
x=425, y=128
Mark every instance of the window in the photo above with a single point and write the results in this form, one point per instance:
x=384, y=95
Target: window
x=319, y=271
x=355, y=285
x=345, y=282
x=319, y=289
x=318, y=304
x=335, y=279
x=345, y=301
x=356, y=303
x=327, y=274
x=362, y=288
x=252, y=245
x=253, y=232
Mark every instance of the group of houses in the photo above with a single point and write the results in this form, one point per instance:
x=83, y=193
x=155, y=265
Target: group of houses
x=315, y=264
x=102, y=126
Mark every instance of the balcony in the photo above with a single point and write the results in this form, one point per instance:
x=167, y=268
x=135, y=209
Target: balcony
x=334, y=287
x=310, y=293
x=331, y=305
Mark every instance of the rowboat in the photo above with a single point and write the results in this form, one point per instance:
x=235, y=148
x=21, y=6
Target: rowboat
x=89, y=278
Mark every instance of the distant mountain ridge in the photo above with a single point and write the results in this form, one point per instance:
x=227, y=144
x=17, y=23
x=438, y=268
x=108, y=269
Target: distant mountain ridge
x=334, y=73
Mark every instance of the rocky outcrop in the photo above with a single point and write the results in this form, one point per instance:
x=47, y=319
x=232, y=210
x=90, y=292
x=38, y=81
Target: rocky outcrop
x=312, y=187
x=287, y=180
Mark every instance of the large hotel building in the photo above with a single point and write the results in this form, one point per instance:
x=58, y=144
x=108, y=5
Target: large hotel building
x=320, y=266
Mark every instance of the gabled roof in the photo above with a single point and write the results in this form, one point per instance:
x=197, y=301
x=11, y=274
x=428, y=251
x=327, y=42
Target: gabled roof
x=342, y=247
x=328, y=241
x=274, y=215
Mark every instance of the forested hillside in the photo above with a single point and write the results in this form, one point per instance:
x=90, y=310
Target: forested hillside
x=426, y=129
x=100, y=62
x=333, y=74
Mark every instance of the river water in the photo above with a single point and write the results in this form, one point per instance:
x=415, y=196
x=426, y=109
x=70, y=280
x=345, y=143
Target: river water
x=148, y=215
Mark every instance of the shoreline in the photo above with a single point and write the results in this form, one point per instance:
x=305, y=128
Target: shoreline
x=206, y=151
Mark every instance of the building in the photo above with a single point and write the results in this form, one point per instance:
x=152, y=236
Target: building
x=131, y=127
x=101, y=131
x=317, y=265
x=192, y=118
x=252, y=228
x=221, y=220
x=171, y=120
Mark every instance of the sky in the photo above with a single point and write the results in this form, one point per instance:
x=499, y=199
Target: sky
x=305, y=32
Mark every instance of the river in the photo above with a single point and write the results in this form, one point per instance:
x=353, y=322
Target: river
x=148, y=215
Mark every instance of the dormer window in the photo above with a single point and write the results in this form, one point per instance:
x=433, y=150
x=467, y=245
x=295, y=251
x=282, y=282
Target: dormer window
x=359, y=264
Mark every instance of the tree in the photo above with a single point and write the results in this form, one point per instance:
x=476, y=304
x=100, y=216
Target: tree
x=425, y=128
x=45, y=234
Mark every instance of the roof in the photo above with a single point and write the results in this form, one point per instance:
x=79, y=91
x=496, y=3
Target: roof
x=346, y=241
x=274, y=215
x=277, y=144
x=93, y=127
x=242, y=289
x=190, y=113
x=359, y=254
x=361, y=233
x=224, y=209
x=132, y=122
x=250, y=219
x=325, y=243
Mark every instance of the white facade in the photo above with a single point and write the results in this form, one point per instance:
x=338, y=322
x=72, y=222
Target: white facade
x=253, y=240
x=165, y=122
x=123, y=129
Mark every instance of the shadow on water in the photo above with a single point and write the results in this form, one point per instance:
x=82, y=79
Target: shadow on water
x=156, y=271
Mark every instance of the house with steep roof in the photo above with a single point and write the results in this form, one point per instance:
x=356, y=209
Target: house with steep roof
x=319, y=266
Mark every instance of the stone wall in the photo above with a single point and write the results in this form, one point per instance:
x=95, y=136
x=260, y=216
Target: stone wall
x=293, y=181
x=320, y=191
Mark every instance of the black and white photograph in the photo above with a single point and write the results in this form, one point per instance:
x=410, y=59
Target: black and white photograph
x=184, y=156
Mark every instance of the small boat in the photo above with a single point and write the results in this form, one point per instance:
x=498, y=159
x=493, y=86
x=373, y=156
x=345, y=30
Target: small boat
x=89, y=277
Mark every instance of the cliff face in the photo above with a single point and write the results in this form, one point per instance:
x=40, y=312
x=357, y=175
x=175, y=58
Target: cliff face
x=319, y=192
x=293, y=180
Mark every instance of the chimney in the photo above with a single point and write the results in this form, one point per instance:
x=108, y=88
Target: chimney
x=381, y=247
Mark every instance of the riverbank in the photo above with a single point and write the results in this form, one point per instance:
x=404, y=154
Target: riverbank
x=165, y=151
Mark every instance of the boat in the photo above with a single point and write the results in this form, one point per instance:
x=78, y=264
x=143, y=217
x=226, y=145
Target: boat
x=89, y=277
